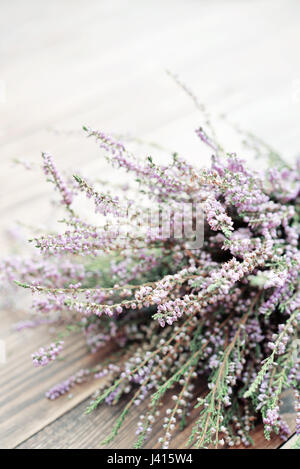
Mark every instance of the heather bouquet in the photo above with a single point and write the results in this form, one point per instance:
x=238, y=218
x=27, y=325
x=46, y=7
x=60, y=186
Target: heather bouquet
x=218, y=306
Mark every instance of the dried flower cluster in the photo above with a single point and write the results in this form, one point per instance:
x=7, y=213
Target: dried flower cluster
x=226, y=314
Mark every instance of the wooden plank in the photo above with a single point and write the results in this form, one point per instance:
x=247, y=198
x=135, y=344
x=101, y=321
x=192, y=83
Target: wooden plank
x=77, y=430
x=27, y=416
x=103, y=65
x=24, y=408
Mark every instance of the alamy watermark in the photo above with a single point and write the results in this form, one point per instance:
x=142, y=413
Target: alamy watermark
x=181, y=221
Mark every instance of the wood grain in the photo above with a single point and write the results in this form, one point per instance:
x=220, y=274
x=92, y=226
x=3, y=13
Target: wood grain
x=24, y=408
x=65, y=64
x=76, y=430
x=29, y=420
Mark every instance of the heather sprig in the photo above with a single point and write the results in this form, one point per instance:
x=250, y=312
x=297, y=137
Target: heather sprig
x=223, y=316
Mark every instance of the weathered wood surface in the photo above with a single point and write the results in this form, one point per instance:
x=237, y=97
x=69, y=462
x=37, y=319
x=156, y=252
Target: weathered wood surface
x=76, y=430
x=24, y=408
x=29, y=420
x=64, y=64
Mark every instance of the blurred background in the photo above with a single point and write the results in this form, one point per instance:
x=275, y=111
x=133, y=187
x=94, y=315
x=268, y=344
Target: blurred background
x=103, y=63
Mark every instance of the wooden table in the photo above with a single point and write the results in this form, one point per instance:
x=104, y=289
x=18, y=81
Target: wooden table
x=103, y=64
x=29, y=420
